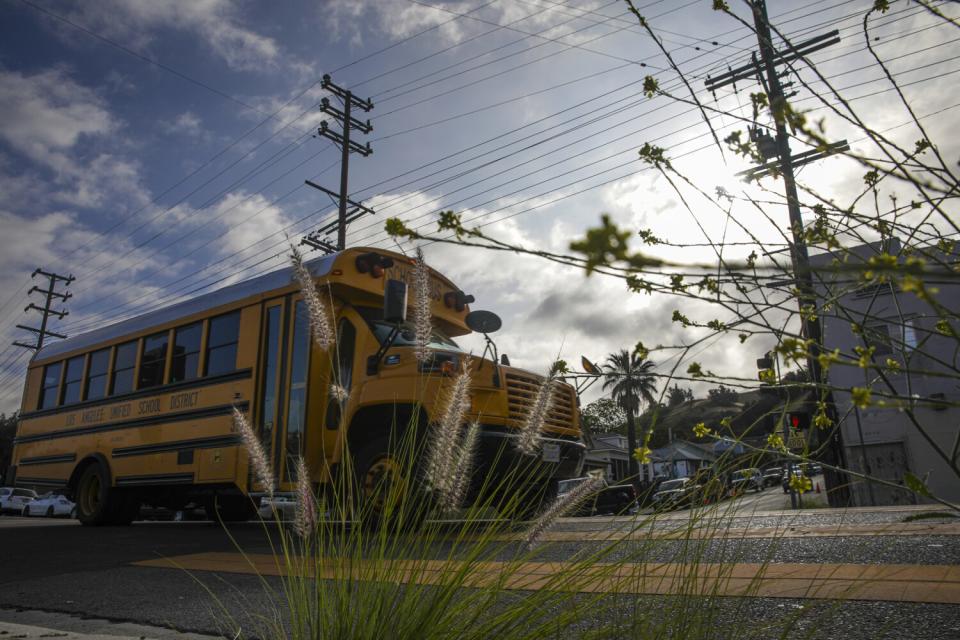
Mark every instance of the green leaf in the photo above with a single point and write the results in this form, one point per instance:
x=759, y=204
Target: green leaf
x=916, y=485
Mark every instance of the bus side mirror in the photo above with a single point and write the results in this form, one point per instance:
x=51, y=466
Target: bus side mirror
x=395, y=302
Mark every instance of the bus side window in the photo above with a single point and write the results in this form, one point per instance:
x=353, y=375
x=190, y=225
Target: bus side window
x=153, y=360
x=96, y=386
x=186, y=352
x=222, y=344
x=72, y=380
x=123, y=363
x=51, y=382
x=343, y=376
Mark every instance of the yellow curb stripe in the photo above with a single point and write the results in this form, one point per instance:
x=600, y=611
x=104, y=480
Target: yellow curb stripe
x=868, y=530
x=900, y=583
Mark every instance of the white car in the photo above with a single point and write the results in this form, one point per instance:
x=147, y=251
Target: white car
x=283, y=506
x=13, y=500
x=51, y=505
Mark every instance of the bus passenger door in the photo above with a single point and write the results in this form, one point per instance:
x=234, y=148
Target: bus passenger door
x=272, y=357
x=341, y=388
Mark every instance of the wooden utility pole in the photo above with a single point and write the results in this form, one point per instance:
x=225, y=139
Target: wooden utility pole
x=780, y=161
x=347, y=123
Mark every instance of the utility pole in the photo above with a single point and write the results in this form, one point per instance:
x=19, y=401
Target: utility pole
x=765, y=69
x=347, y=124
x=50, y=293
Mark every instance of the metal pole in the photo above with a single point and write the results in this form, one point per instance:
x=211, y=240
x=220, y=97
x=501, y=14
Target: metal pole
x=866, y=461
x=794, y=502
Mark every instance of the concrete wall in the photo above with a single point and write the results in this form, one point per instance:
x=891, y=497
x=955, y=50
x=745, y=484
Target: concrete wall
x=902, y=327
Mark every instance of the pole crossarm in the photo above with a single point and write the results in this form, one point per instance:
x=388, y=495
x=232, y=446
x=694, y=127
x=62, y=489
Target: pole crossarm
x=50, y=293
x=345, y=95
x=334, y=194
x=343, y=141
x=798, y=160
x=753, y=68
x=363, y=127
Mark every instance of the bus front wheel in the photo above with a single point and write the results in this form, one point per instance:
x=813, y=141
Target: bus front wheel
x=387, y=492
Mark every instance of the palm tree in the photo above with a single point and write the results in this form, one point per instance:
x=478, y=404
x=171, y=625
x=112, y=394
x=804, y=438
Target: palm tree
x=630, y=381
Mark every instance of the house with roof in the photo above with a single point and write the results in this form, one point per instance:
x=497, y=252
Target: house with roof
x=608, y=453
x=680, y=459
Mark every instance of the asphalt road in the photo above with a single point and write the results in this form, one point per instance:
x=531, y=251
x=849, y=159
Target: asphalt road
x=60, y=566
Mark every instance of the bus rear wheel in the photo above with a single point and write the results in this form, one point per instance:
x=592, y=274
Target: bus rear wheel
x=97, y=503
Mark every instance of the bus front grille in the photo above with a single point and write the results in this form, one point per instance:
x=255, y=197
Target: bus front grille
x=522, y=392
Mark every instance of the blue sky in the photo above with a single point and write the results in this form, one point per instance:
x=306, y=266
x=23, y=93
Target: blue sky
x=156, y=149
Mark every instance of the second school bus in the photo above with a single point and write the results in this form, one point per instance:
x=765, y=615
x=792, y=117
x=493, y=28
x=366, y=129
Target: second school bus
x=140, y=411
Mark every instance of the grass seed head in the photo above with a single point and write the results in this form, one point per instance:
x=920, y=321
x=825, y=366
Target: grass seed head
x=463, y=468
x=321, y=321
x=561, y=506
x=258, y=457
x=421, y=309
x=305, y=521
x=338, y=393
x=528, y=440
x=445, y=439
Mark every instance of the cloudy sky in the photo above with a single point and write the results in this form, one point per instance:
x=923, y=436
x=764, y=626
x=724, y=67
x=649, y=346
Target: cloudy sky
x=158, y=149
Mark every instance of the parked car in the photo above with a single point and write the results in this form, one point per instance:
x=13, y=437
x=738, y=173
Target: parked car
x=772, y=477
x=610, y=499
x=744, y=480
x=674, y=493
x=16, y=499
x=285, y=507
x=163, y=514
x=51, y=505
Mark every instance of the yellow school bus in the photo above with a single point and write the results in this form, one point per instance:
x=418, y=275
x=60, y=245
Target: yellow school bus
x=140, y=411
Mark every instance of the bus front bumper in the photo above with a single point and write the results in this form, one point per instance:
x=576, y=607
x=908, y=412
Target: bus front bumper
x=557, y=458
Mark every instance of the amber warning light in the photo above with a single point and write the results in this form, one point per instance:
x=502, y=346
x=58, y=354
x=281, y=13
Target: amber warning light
x=457, y=300
x=373, y=263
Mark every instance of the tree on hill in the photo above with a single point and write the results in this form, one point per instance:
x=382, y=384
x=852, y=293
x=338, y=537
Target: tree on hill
x=604, y=416
x=677, y=395
x=722, y=395
x=8, y=429
x=630, y=381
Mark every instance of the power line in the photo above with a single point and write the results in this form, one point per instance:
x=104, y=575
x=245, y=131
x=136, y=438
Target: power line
x=140, y=56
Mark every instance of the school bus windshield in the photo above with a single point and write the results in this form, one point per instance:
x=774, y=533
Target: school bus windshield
x=406, y=337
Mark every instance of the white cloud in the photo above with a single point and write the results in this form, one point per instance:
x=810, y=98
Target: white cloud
x=47, y=113
x=246, y=220
x=215, y=22
x=49, y=119
x=187, y=123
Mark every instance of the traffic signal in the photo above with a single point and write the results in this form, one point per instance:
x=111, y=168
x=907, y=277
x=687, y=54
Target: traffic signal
x=798, y=421
x=765, y=372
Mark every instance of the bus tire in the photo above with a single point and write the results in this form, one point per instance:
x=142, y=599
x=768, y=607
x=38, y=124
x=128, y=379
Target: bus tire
x=378, y=470
x=98, y=503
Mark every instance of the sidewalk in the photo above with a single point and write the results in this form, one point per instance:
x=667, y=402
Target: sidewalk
x=34, y=625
